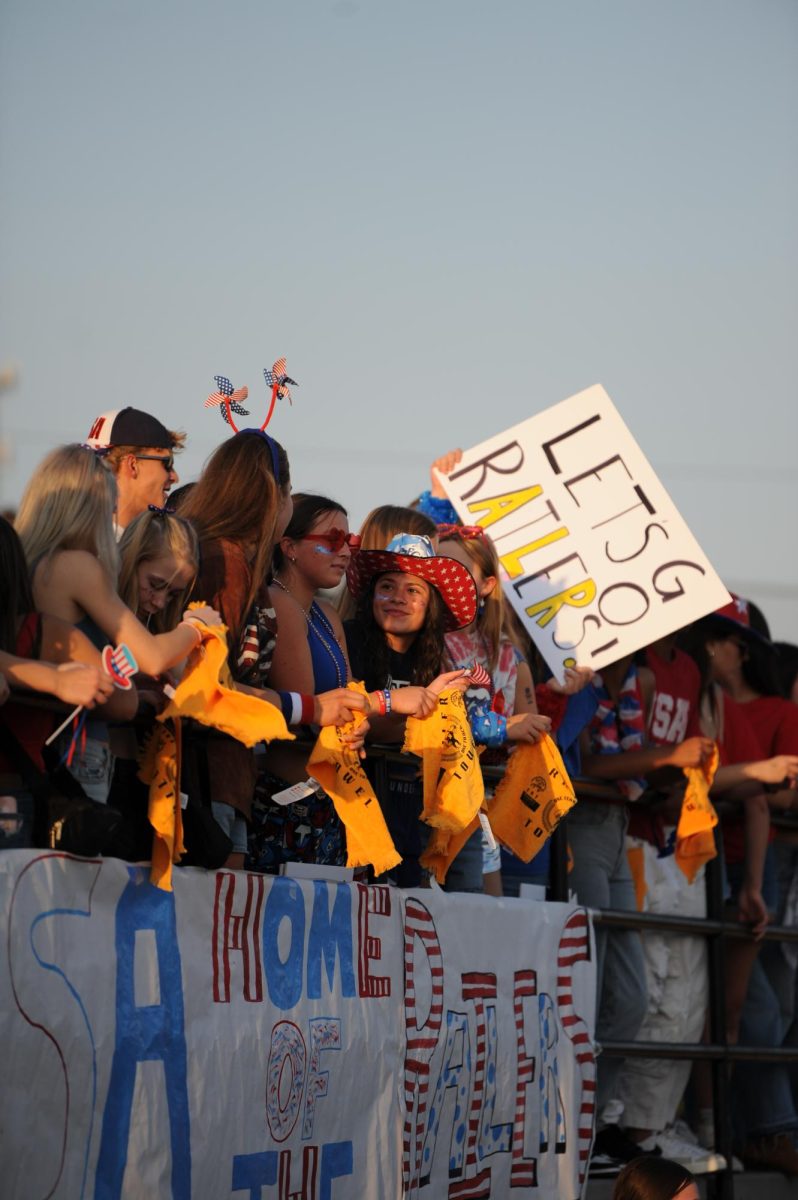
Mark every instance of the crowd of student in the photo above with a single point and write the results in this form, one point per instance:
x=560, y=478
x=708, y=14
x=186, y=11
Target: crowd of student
x=103, y=552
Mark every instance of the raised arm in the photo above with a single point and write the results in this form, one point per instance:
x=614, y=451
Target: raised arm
x=91, y=589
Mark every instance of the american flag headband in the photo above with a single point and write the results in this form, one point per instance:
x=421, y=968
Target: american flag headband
x=272, y=449
x=228, y=399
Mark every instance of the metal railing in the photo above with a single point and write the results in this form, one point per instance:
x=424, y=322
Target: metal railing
x=715, y=928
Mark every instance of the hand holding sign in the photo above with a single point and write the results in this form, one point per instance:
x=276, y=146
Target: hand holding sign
x=595, y=558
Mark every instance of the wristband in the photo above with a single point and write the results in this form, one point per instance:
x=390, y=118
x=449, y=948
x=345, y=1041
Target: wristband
x=379, y=699
x=387, y=694
x=291, y=706
x=195, y=627
x=308, y=709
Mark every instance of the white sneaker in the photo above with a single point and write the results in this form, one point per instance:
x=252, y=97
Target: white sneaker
x=682, y=1130
x=689, y=1154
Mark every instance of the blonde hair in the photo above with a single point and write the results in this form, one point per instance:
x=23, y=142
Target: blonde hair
x=116, y=454
x=382, y=524
x=491, y=613
x=153, y=535
x=69, y=504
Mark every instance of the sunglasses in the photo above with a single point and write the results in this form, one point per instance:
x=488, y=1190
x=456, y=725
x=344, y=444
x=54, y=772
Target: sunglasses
x=166, y=461
x=468, y=533
x=336, y=539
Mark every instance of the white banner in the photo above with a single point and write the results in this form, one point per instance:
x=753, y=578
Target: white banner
x=596, y=560
x=253, y=1037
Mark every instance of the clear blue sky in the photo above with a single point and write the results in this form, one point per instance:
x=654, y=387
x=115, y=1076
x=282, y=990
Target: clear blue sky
x=446, y=215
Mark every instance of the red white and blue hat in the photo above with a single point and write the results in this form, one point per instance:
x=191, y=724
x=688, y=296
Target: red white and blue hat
x=737, y=615
x=414, y=554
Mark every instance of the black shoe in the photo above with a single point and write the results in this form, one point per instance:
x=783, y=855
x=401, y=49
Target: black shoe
x=604, y=1166
x=612, y=1142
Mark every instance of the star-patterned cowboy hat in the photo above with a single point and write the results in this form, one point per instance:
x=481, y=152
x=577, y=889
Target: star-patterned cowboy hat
x=414, y=555
x=737, y=615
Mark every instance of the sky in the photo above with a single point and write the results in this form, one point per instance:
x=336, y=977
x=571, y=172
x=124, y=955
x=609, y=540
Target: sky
x=446, y=215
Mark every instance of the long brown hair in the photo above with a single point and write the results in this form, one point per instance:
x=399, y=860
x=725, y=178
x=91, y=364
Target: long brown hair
x=237, y=498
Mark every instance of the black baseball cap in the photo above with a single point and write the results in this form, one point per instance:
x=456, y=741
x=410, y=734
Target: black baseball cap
x=128, y=427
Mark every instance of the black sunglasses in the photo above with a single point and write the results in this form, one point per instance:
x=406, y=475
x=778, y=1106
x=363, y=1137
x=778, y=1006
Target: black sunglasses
x=168, y=462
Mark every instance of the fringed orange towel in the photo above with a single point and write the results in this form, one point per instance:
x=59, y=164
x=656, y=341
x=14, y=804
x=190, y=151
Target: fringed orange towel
x=206, y=694
x=340, y=772
x=443, y=847
x=453, y=787
x=159, y=769
x=532, y=798
x=695, y=842
x=636, y=858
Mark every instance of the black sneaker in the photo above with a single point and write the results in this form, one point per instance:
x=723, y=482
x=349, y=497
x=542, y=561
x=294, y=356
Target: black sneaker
x=603, y=1166
x=612, y=1142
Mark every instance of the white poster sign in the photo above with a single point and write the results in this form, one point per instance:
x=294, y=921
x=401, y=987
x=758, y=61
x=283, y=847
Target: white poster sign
x=595, y=558
x=283, y=1039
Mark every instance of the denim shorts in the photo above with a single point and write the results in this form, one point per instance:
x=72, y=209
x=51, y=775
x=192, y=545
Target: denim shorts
x=92, y=766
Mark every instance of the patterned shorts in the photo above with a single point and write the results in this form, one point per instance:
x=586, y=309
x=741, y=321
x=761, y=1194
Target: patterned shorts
x=309, y=831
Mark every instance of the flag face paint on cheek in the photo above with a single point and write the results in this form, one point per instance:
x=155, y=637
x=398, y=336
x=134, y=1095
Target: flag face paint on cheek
x=320, y=548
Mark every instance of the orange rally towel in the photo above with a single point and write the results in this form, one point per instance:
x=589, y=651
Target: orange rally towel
x=340, y=772
x=160, y=770
x=206, y=693
x=443, y=847
x=695, y=842
x=532, y=798
x=453, y=787
x=637, y=865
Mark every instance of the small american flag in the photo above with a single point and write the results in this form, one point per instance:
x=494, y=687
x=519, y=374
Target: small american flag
x=479, y=676
x=120, y=665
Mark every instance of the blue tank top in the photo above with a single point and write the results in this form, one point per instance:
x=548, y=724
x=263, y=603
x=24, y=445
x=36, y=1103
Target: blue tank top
x=94, y=728
x=93, y=632
x=326, y=655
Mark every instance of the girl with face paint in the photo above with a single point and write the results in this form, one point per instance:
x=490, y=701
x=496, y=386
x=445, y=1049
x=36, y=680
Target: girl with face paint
x=407, y=598
x=309, y=657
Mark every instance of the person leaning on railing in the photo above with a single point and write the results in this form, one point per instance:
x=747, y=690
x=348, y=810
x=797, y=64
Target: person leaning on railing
x=614, y=750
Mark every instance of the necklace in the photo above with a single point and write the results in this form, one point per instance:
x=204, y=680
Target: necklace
x=312, y=615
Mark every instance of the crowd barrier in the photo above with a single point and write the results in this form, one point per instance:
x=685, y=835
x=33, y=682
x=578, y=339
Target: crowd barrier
x=257, y=1037
x=252, y=1036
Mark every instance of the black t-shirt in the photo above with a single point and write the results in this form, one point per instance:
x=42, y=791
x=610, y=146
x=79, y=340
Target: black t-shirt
x=398, y=664
x=402, y=801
